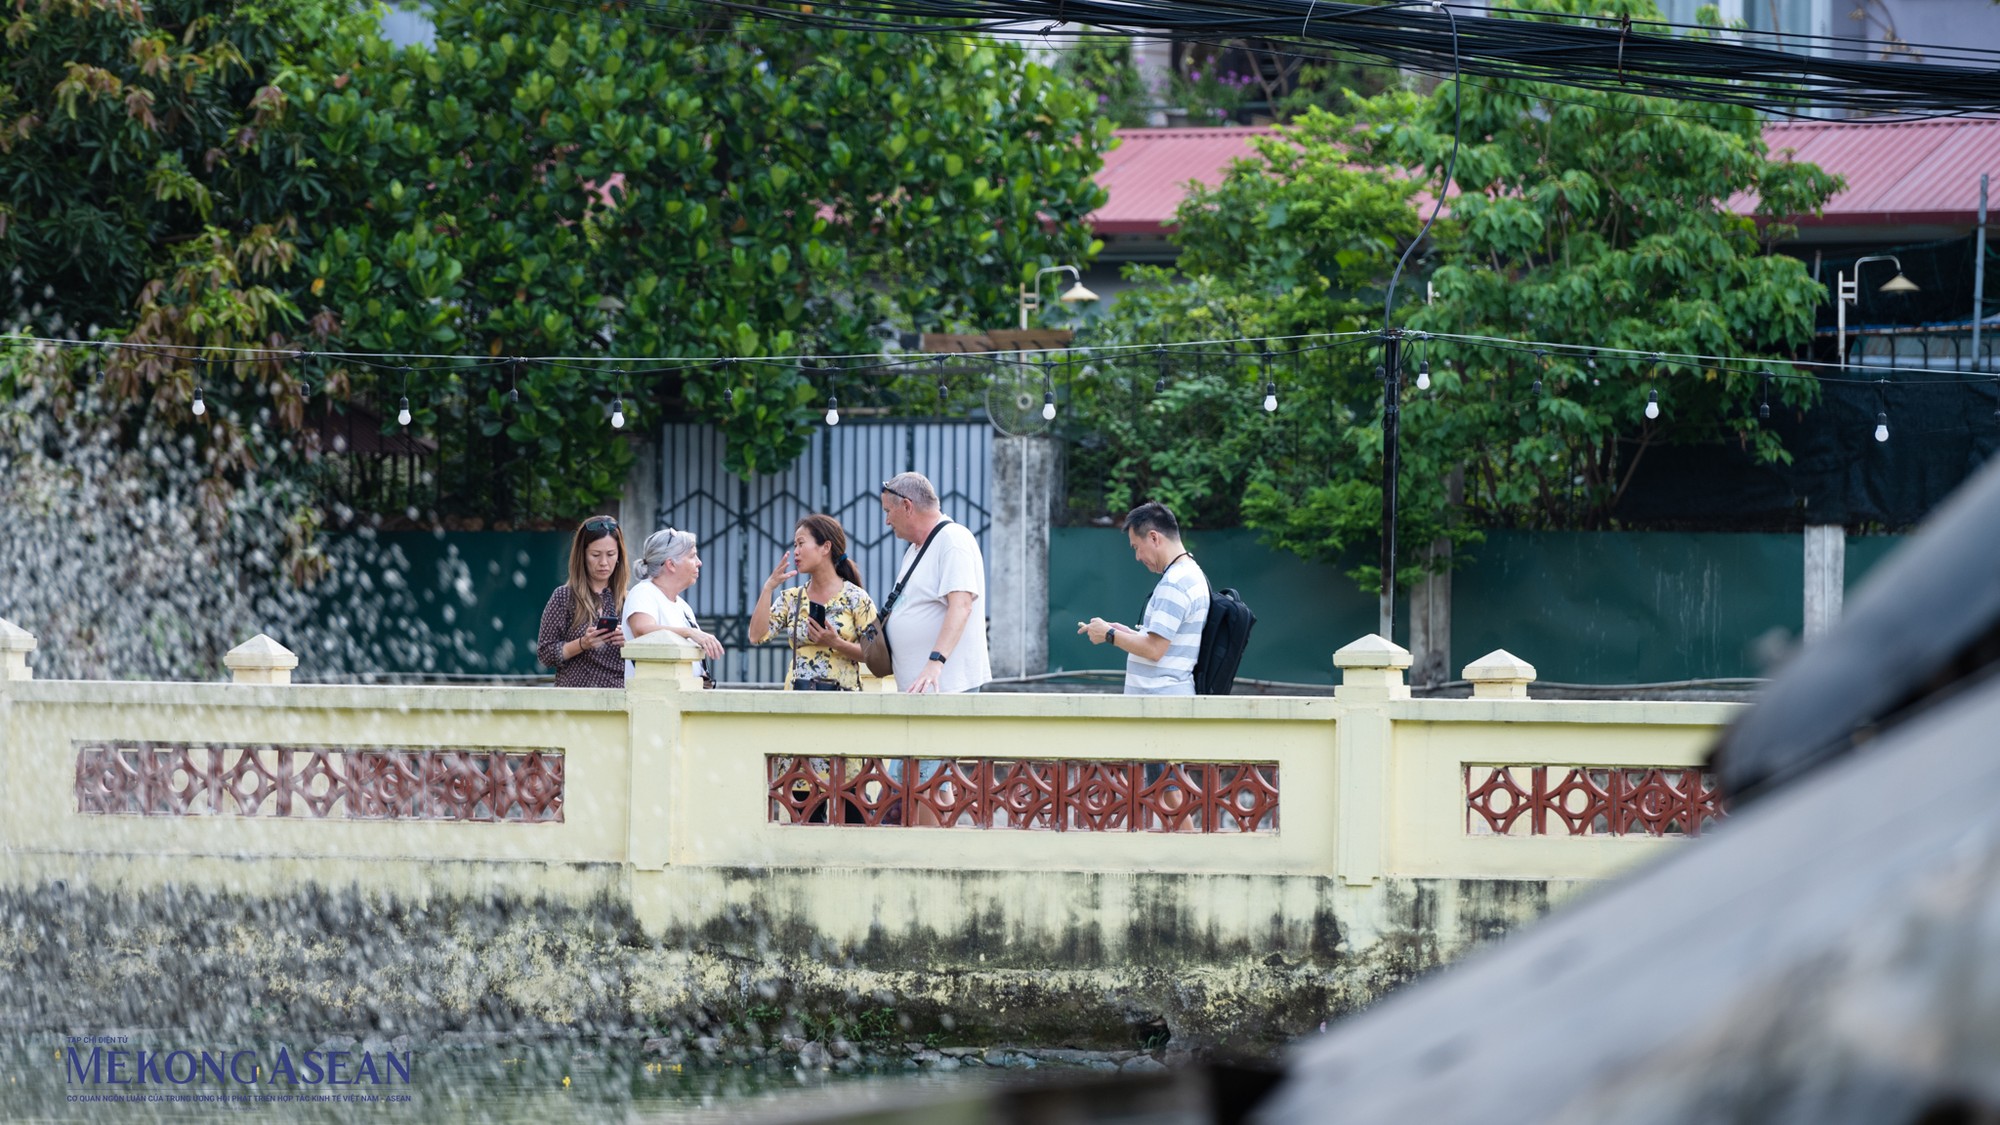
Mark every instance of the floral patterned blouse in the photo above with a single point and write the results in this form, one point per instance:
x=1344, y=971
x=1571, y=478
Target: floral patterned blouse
x=849, y=613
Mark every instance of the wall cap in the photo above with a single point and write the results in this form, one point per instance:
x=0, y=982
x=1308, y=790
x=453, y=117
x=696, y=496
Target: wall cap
x=1499, y=665
x=1500, y=675
x=660, y=645
x=260, y=653
x=1372, y=651
x=13, y=638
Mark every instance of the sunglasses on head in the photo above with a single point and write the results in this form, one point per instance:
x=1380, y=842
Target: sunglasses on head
x=896, y=494
x=600, y=523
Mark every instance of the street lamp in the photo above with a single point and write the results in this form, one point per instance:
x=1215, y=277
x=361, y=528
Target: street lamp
x=1031, y=297
x=1847, y=290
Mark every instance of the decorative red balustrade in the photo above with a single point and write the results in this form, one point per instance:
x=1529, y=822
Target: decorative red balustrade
x=1047, y=794
x=318, y=782
x=1589, y=801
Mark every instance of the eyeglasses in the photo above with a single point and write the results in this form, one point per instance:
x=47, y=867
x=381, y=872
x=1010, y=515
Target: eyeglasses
x=896, y=494
x=600, y=523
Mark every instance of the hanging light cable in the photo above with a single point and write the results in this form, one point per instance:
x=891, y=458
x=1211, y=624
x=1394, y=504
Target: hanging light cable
x=618, y=403
x=1764, y=408
x=1270, y=384
x=199, y=407
x=403, y=407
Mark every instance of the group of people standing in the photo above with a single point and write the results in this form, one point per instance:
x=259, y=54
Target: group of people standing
x=936, y=624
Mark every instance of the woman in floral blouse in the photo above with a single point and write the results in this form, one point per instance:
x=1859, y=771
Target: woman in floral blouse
x=823, y=619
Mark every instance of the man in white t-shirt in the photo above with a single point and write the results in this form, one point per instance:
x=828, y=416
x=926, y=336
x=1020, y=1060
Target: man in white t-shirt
x=937, y=630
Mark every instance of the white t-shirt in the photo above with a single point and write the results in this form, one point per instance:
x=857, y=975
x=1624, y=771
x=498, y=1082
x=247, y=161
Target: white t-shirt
x=652, y=601
x=953, y=563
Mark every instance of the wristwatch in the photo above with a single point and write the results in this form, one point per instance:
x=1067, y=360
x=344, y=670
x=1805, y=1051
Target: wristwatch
x=937, y=656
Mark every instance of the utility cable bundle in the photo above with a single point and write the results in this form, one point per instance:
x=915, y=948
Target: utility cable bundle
x=1644, y=57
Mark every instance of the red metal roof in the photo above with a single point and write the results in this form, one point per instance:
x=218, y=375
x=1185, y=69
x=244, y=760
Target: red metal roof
x=1148, y=170
x=1898, y=173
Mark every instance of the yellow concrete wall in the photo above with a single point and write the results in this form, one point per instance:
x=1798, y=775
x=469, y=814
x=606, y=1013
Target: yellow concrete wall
x=38, y=804
x=663, y=775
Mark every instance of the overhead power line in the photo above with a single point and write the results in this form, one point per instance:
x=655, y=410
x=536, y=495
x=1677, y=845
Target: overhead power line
x=1585, y=52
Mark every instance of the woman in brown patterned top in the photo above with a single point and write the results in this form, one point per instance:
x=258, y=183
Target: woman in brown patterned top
x=579, y=636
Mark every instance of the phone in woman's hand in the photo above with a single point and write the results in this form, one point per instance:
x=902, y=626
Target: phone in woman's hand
x=604, y=623
x=818, y=613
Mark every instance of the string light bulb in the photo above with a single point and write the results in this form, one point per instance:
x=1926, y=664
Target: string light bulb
x=1652, y=404
x=1270, y=398
x=944, y=391
x=1048, y=406
x=832, y=411
x=1160, y=385
x=200, y=408
x=1881, y=426
x=403, y=411
x=1424, y=375
x=617, y=413
x=1535, y=388
x=1764, y=407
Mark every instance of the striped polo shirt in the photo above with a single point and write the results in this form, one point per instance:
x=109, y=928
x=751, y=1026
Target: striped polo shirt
x=1177, y=611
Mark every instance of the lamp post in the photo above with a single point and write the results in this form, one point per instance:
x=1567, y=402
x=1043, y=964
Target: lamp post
x=1847, y=290
x=1031, y=296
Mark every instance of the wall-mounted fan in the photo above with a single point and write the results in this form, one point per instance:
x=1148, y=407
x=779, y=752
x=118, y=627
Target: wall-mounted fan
x=1014, y=401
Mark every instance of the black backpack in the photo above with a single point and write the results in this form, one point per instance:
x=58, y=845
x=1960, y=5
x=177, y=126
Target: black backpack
x=1224, y=636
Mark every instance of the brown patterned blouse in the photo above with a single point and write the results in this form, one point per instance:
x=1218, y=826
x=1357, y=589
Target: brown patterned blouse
x=598, y=667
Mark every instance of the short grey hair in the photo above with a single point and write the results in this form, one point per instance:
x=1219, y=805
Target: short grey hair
x=662, y=547
x=914, y=487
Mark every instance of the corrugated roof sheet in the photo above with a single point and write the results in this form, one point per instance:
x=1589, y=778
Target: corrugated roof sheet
x=1897, y=172
x=1148, y=171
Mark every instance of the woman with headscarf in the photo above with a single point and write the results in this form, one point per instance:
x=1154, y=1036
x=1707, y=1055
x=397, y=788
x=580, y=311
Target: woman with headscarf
x=668, y=564
x=579, y=636
x=822, y=619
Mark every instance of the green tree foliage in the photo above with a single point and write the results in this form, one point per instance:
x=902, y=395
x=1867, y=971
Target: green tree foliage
x=612, y=181
x=1288, y=244
x=128, y=131
x=1580, y=217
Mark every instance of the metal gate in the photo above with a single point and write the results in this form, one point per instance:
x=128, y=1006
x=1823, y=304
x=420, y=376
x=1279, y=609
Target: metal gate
x=745, y=525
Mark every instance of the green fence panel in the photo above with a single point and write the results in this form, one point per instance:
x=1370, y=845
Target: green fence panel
x=1864, y=552
x=1631, y=606
x=1582, y=607
x=460, y=603
x=1304, y=610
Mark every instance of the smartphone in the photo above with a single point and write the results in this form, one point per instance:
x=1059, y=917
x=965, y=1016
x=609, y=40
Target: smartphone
x=607, y=623
x=818, y=613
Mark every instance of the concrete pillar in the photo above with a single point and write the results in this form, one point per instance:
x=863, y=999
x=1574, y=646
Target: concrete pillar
x=1371, y=678
x=639, y=506
x=15, y=645
x=1430, y=624
x=662, y=678
x=1826, y=577
x=1025, y=487
x=1500, y=675
x=260, y=660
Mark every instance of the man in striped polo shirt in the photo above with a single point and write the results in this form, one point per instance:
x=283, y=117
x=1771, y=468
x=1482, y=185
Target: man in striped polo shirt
x=1161, y=652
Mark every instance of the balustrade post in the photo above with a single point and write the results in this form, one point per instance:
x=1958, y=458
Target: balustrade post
x=260, y=660
x=1371, y=677
x=1500, y=675
x=15, y=645
x=655, y=693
